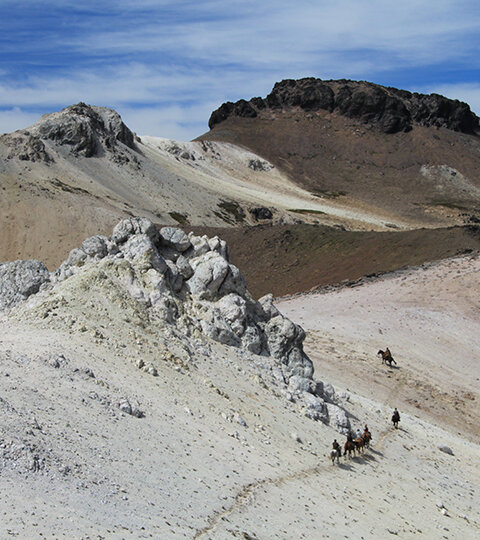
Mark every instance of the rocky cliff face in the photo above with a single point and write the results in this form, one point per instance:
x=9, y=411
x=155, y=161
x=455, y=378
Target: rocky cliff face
x=86, y=130
x=391, y=110
x=180, y=286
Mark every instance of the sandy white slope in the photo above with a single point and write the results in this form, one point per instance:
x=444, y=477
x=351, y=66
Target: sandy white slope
x=428, y=317
x=227, y=169
x=190, y=469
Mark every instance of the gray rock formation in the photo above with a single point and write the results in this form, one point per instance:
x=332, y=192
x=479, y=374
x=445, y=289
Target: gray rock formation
x=187, y=282
x=83, y=129
x=26, y=147
x=19, y=280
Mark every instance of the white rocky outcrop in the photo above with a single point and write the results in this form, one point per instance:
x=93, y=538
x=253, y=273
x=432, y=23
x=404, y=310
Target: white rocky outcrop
x=19, y=280
x=188, y=282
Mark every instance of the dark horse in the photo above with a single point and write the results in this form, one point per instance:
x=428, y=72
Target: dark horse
x=395, y=418
x=387, y=357
x=349, y=447
x=367, y=437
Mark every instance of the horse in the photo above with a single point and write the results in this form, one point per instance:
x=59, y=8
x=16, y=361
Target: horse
x=335, y=455
x=367, y=437
x=359, y=444
x=387, y=357
x=349, y=447
x=395, y=419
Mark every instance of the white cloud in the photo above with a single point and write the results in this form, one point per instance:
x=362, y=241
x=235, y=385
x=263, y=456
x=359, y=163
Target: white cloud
x=16, y=118
x=180, y=60
x=174, y=122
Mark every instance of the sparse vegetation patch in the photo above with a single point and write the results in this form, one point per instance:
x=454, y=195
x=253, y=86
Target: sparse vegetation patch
x=327, y=194
x=230, y=212
x=69, y=189
x=305, y=211
x=179, y=218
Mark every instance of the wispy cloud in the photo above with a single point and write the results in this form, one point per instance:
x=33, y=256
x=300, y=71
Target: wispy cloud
x=177, y=60
x=16, y=118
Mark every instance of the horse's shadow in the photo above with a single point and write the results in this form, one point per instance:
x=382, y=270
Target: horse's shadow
x=376, y=452
x=362, y=459
x=345, y=466
x=368, y=457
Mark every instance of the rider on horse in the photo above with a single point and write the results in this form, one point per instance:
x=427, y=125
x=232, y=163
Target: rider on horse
x=387, y=357
x=336, y=446
x=395, y=417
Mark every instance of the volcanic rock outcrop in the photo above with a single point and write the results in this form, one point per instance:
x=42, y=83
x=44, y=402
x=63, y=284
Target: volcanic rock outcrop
x=391, y=110
x=19, y=280
x=85, y=129
x=180, y=285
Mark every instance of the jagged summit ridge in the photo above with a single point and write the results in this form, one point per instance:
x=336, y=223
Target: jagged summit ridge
x=176, y=285
x=87, y=130
x=390, y=109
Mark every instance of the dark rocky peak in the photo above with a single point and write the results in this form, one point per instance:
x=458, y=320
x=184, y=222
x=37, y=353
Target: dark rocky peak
x=389, y=109
x=88, y=130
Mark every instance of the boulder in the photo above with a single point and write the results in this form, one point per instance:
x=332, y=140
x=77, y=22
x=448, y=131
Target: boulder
x=95, y=246
x=140, y=249
x=209, y=272
x=132, y=226
x=199, y=246
x=338, y=418
x=19, y=280
x=175, y=238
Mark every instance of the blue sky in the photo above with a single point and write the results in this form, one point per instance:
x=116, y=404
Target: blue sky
x=166, y=65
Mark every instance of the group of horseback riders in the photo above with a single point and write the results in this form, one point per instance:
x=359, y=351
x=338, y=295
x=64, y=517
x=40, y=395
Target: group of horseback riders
x=354, y=441
x=358, y=440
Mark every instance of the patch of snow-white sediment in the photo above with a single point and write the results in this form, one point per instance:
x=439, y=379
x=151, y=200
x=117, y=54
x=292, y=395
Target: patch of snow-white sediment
x=242, y=175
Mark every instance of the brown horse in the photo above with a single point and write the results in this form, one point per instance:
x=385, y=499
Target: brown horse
x=367, y=437
x=349, y=447
x=387, y=357
x=359, y=444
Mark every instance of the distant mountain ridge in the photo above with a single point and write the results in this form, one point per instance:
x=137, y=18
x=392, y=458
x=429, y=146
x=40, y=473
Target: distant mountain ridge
x=312, y=153
x=390, y=109
x=409, y=155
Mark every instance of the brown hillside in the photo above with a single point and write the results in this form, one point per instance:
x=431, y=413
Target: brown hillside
x=290, y=259
x=424, y=173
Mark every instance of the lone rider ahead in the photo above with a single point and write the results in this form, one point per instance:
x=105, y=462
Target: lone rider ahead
x=395, y=418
